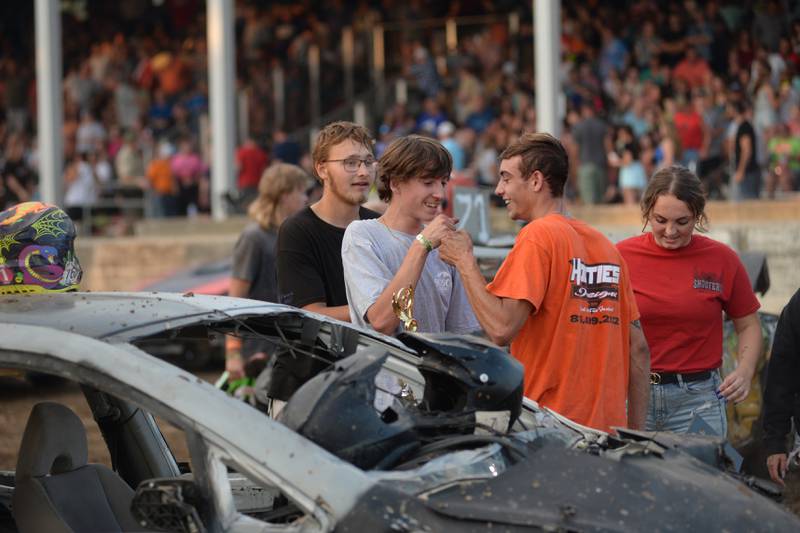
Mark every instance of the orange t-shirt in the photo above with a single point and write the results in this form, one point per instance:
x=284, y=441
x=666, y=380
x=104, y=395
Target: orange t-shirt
x=575, y=346
x=160, y=175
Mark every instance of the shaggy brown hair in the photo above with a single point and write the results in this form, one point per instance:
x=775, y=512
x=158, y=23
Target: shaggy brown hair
x=412, y=156
x=542, y=152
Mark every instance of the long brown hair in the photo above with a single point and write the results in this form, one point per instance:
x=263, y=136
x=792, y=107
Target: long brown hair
x=412, y=156
x=276, y=181
x=684, y=185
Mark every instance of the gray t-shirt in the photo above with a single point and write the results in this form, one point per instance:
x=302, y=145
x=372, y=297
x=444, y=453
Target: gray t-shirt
x=372, y=254
x=254, y=261
x=590, y=135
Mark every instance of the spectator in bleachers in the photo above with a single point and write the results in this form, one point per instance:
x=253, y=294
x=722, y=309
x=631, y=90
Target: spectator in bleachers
x=129, y=163
x=81, y=186
x=431, y=117
x=445, y=132
x=591, y=135
x=693, y=70
x=746, y=179
x=285, y=149
x=689, y=126
x=629, y=59
x=90, y=132
x=625, y=157
x=17, y=178
x=251, y=161
x=162, y=182
x=189, y=171
x=784, y=162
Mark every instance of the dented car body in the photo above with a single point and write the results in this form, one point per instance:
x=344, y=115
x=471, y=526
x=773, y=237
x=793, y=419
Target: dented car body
x=251, y=473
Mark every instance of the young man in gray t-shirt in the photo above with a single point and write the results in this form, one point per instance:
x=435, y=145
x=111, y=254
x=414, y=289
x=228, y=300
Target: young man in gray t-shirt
x=398, y=249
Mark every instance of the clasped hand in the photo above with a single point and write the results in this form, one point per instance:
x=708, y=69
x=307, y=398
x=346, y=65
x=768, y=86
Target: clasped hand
x=439, y=227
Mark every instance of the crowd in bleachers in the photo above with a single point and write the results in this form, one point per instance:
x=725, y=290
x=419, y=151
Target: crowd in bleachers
x=645, y=84
x=659, y=80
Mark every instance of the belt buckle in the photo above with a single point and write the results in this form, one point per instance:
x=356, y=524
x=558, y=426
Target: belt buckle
x=655, y=378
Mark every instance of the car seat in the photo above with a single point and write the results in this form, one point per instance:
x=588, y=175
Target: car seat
x=56, y=490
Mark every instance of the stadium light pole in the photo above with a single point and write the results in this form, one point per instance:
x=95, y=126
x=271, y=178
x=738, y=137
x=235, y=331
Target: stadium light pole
x=547, y=49
x=221, y=74
x=48, y=105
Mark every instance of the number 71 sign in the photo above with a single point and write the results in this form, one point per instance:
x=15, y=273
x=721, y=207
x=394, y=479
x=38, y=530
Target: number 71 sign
x=471, y=208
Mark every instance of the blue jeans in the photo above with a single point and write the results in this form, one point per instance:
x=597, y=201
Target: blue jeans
x=673, y=406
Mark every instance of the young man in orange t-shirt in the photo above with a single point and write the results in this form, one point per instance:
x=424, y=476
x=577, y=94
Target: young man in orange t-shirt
x=562, y=297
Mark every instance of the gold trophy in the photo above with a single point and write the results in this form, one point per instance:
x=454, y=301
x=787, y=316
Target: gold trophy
x=403, y=307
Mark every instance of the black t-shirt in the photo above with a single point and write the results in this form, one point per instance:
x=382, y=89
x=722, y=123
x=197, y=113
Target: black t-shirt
x=25, y=176
x=669, y=36
x=310, y=260
x=309, y=271
x=745, y=129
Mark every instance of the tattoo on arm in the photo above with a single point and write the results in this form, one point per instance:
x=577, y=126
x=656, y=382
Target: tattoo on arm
x=636, y=324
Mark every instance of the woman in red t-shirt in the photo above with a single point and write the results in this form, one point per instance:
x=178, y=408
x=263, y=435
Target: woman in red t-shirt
x=683, y=283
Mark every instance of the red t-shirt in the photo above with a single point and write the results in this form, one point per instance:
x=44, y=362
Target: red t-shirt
x=575, y=346
x=681, y=295
x=252, y=161
x=689, y=126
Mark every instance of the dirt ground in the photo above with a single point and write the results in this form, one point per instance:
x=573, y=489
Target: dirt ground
x=18, y=397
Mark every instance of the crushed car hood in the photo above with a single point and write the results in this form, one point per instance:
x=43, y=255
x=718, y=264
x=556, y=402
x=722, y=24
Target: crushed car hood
x=554, y=489
x=127, y=316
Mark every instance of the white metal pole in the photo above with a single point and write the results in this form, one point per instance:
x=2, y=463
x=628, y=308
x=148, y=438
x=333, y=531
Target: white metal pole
x=279, y=99
x=547, y=49
x=49, y=106
x=313, y=84
x=348, y=61
x=221, y=73
x=360, y=113
x=378, y=65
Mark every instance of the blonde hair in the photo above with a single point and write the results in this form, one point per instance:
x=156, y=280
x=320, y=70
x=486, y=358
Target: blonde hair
x=277, y=180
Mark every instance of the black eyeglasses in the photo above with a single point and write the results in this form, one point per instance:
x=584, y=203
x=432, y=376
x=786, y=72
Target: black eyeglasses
x=351, y=164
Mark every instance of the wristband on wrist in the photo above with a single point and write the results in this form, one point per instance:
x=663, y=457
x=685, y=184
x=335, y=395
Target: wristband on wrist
x=423, y=240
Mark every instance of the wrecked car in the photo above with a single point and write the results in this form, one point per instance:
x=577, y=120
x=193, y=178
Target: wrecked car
x=415, y=433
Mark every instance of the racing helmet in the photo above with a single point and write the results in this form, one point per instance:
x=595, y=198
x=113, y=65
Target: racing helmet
x=350, y=411
x=467, y=374
x=36, y=250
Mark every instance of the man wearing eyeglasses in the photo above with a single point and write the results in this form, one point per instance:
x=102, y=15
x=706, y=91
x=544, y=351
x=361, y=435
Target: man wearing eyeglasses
x=310, y=242
x=398, y=250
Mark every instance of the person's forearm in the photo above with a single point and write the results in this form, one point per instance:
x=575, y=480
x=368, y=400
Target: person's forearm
x=750, y=346
x=497, y=320
x=381, y=313
x=638, y=379
x=744, y=159
x=339, y=312
x=239, y=288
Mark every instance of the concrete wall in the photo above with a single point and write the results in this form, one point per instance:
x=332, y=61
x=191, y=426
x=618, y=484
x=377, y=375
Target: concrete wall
x=161, y=248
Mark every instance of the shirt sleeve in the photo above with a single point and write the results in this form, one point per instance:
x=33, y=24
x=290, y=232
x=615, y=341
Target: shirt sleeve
x=630, y=296
x=299, y=280
x=782, y=387
x=742, y=300
x=525, y=273
x=365, y=275
x=246, y=257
